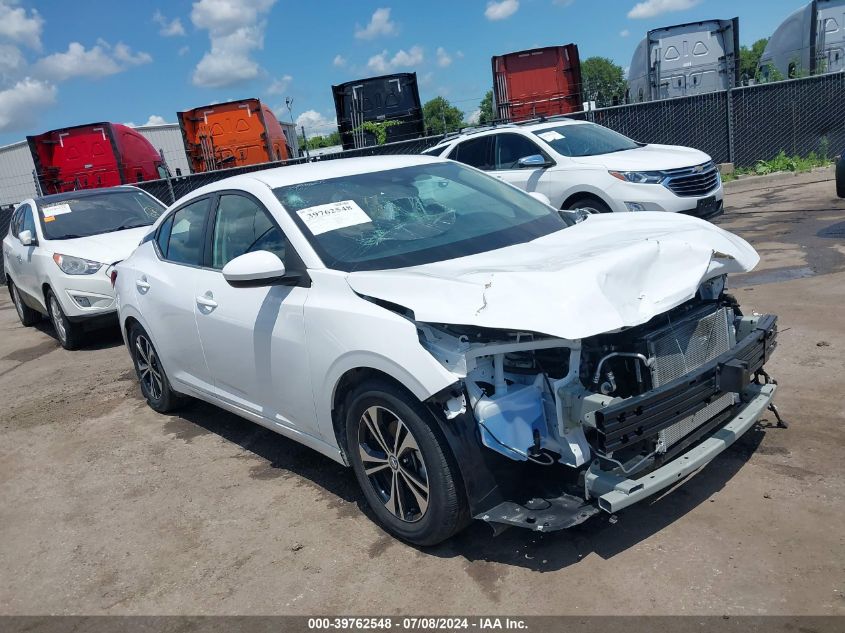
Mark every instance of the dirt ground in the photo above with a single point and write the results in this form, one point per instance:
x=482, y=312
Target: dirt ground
x=108, y=507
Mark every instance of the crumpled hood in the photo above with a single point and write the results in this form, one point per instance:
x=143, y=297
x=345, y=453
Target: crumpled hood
x=106, y=247
x=648, y=158
x=608, y=272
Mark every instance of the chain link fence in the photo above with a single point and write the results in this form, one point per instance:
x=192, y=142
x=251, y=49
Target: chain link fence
x=743, y=125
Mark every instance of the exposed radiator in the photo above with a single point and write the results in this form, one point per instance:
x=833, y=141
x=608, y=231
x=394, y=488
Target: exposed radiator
x=683, y=347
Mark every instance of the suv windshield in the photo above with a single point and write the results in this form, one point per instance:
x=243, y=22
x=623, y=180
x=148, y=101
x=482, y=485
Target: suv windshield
x=414, y=215
x=106, y=212
x=585, y=139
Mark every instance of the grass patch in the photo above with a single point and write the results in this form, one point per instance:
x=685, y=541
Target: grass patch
x=781, y=162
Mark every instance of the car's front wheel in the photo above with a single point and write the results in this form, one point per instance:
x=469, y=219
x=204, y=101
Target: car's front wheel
x=589, y=204
x=404, y=466
x=70, y=334
x=154, y=383
x=27, y=315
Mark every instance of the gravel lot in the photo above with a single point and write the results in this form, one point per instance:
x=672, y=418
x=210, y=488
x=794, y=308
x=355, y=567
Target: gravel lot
x=108, y=507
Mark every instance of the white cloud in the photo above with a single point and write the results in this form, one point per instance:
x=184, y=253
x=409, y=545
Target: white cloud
x=100, y=60
x=651, y=8
x=183, y=51
x=624, y=33
x=379, y=25
x=563, y=3
x=280, y=85
x=426, y=80
x=11, y=60
x=383, y=63
x=316, y=124
x=235, y=28
x=501, y=10
x=443, y=58
x=20, y=103
x=474, y=117
x=339, y=61
x=17, y=25
x=153, y=120
x=169, y=28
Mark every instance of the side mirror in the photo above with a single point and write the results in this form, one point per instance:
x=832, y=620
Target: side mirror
x=533, y=161
x=541, y=197
x=250, y=270
x=26, y=238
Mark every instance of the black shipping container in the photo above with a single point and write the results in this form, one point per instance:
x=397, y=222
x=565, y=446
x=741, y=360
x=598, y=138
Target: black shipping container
x=386, y=98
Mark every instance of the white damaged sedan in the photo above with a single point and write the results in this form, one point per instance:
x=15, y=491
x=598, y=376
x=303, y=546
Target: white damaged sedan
x=468, y=350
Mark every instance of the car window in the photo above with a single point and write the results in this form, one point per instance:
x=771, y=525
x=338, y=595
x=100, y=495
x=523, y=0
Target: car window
x=511, y=147
x=414, y=215
x=434, y=151
x=28, y=221
x=17, y=220
x=184, y=245
x=585, y=139
x=80, y=214
x=243, y=226
x=473, y=152
x=164, y=235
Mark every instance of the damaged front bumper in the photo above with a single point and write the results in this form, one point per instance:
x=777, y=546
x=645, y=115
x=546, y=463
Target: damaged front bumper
x=737, y=371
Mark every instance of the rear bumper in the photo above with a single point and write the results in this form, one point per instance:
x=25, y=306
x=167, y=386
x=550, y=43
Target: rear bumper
x=613, y=492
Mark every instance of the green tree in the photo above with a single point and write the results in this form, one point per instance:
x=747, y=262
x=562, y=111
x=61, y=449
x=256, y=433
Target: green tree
x=749, y=58
x=486, y=108
x=440, y=116
x=377, y=129
x=602, y=81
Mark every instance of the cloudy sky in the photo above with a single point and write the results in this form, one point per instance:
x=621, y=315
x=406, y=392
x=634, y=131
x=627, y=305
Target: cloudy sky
x=67, y=63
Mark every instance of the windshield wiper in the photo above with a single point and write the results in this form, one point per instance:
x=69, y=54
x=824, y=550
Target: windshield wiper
x=126, y=227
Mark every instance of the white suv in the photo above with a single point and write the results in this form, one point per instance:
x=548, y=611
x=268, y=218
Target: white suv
x=580, y=165
x=58, y=251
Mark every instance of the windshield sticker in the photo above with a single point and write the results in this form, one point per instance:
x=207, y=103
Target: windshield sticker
x=333, y=216
x=56, y=209
x=552, y=135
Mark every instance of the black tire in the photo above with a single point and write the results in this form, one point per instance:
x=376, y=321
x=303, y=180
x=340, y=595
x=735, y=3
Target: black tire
x=589, y=204
x=27, y=315
x=424, y=460
x=70, y=335
x=154, y=383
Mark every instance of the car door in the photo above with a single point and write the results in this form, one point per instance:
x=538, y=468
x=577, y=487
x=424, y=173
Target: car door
x=26, y=275
x=165, y=287
x=254, y=338
x=508, y=148
x=10, y=244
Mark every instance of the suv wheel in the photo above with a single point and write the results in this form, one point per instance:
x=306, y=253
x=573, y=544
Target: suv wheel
x=70, y=334
x=589, y=204
x=27, y=315
x=154, y=383
x=404, y=467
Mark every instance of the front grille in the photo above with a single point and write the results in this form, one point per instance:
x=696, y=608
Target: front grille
x=692, y=182
x=684, y=347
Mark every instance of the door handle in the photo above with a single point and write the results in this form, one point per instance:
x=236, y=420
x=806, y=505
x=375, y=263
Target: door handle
x=142, y=285
x=206, y=302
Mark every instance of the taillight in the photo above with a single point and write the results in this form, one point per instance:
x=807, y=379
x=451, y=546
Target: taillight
x=113, y=277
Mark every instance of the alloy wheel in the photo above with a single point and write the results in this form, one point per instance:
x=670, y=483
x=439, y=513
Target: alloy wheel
x=58, y=321
x=148, y=366
x=393, y=463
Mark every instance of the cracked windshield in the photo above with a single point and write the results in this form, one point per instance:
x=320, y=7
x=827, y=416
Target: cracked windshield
x=415, y=215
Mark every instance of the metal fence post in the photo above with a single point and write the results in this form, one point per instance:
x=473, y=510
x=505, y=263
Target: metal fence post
x=37, y=183
x=167, y=176
x=730, y=116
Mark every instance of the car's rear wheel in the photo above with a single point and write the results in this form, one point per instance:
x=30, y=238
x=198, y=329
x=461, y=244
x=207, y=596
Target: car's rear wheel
x=404, y=466
x=27, y=315
x=589, y=204
x=154, y=383
x=70, y=334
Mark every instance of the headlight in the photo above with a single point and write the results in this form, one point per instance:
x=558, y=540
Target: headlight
x=639, y=177
x=76, y=265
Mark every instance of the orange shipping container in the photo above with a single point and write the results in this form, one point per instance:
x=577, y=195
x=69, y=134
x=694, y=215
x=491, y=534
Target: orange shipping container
x=232, y=134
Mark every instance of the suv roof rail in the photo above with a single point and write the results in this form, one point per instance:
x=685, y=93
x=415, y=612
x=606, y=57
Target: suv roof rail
x=546, y=119
x=474, y=129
